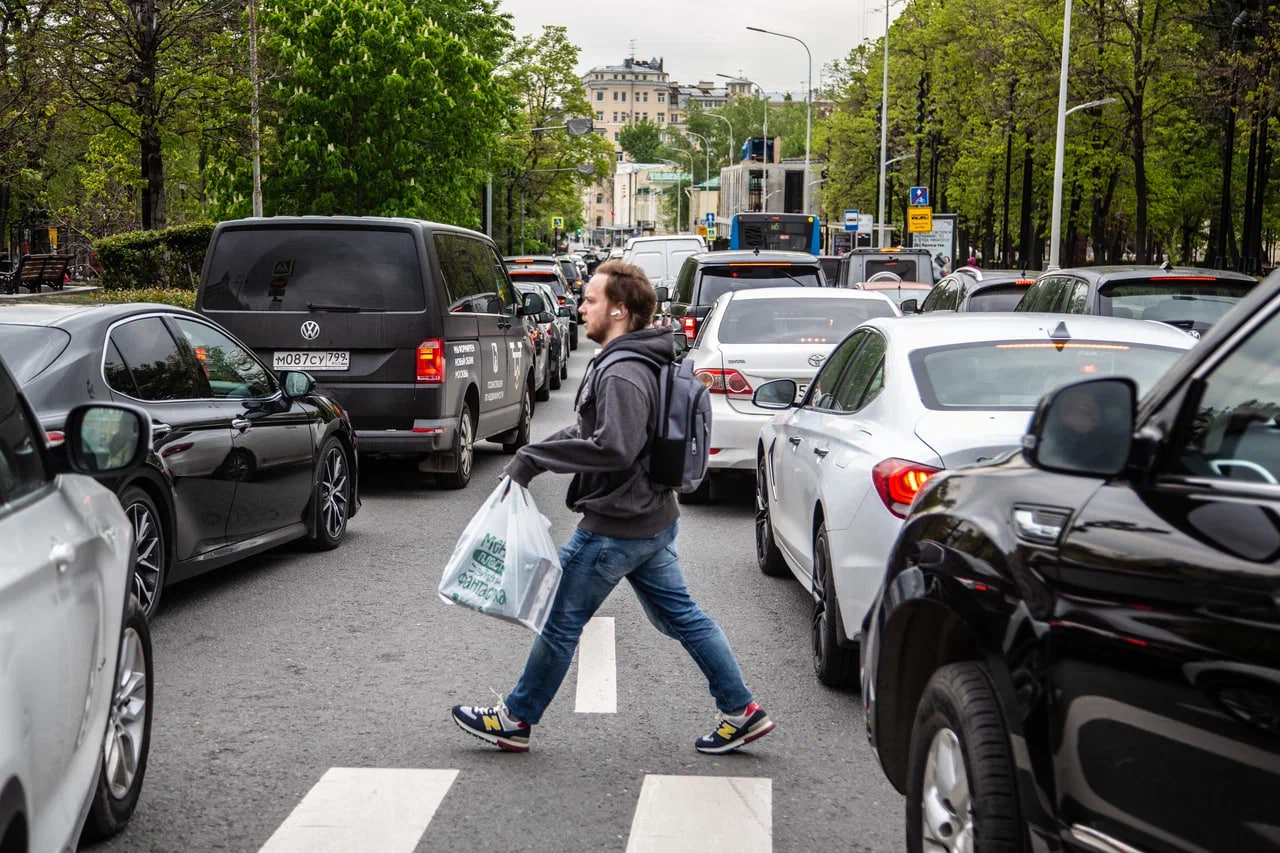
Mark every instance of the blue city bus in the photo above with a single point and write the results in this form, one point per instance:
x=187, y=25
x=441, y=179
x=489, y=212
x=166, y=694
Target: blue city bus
x=798, y=232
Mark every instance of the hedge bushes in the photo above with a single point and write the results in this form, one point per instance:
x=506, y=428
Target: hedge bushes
x=170, y=258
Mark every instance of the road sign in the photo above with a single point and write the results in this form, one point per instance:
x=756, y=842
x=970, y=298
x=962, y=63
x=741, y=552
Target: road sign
x=557, y=222
x=710, y=218
x=919, y=196
x=711, y=232
x=866, y=223
x=919, y=220
x=851, y=220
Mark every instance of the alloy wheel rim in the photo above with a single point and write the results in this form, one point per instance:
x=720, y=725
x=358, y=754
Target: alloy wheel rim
x=466, y=447
x=148, y=555
x=333, y=493
x=946, y=811
x=528, y=410
x=764, y=526
x=126, y=727
x=819, y=602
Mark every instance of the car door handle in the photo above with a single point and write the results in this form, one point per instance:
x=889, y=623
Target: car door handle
x=795, y=439
x=158, y=429
x=820, y=451
x=241, y=424
x=61, y=555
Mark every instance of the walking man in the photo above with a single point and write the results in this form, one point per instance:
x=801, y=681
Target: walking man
x=628, y=527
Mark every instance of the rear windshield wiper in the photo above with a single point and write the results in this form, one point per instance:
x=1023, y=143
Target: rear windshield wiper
x=349, y=309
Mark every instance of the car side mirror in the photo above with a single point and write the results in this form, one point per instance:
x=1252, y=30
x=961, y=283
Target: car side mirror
x=680, y=342
x=106, y=438
x=663, y=294
x=564, y=311
x=297, y=383
x=546, y=317
x=532, y=306
x=1084, y=428
x=778, y=394
x=910, y=306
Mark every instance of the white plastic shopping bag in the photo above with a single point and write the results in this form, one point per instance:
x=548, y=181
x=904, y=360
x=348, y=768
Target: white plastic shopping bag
x=505, y=564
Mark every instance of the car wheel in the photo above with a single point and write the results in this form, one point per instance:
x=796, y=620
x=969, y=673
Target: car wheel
x=128, y=736
x=544, y=391
x=835, y=665
x=768, y=557
x=331, y=496
x=573, y=336
x=150, y=566
x=564, y=367
x=556, y=372
x=961, y=789
x=526, y=419
x=464, y=448
x=700, y=495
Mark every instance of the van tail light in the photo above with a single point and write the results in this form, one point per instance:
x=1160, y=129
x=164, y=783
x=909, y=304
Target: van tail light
x=729, y=382
x=431, y=361
x=690, y=325
x=55, y=437
x=898, y=481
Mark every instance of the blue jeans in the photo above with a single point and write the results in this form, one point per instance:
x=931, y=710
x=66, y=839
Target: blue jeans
x=593, y=565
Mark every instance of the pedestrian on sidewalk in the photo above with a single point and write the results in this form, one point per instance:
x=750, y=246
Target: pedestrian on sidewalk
x=628, y=527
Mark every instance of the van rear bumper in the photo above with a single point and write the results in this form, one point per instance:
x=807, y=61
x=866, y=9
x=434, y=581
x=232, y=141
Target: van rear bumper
x=427, y=436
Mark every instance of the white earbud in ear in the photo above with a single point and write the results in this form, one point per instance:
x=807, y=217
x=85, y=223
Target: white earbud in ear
x=615, y=313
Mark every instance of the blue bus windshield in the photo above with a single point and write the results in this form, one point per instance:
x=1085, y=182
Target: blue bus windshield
x=794, y=231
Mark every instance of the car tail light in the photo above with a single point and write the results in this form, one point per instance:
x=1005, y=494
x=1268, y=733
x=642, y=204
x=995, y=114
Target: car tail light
x=55, y=437
x=1024, y=282
x=729, y=382
x=898, y=481
x=690, y=325
x=431, y=361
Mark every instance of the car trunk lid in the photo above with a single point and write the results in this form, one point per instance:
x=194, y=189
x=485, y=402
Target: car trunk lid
x=970, y=436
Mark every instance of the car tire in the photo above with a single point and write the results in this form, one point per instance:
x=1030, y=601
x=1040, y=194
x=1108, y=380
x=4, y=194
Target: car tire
x=464, y=450
x=573, y=336
x=834, y=664
x=544, y=391
x=127, y=740
x=557, y=371
x=700, y=495
x=331, y=496
x=526, y=419
x=768, y=557
x=564, y=367
x=150, y=545
x=958, y=721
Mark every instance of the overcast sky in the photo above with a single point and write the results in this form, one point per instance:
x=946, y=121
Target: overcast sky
x=699, y=40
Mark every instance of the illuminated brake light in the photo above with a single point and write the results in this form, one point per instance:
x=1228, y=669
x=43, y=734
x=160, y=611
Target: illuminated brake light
x=431, y=361
x=55, y=437
x=690, y=325
x=898, y=481
x=1024, y=282
x=729, y=382
x=1182, y=278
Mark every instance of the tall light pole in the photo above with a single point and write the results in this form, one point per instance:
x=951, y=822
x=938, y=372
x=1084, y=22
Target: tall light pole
x=1055, y=234
x=731, y=136
x=706, y=159
x=764, y=189
x=688, y=154
x=255, y=134
x=808, y=100
x=884, y=122
x=573, y=127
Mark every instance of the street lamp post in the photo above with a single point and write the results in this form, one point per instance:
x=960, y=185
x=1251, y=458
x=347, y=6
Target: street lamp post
x=573, y=126
x=688, y=154
x=1056, y=229
x=706, y=159
x=731, y=136
x=764, y=189
x=884, y=121
x=808, y=99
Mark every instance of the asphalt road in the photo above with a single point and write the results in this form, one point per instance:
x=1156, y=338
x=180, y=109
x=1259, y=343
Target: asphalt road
x=273, y=671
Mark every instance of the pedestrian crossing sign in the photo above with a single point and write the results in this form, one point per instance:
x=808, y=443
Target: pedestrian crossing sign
x=557, y=222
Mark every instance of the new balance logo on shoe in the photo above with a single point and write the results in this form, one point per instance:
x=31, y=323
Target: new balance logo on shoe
x=735, y=732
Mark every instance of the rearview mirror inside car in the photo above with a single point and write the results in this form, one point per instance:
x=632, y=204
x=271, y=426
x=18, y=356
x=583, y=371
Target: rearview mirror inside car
x=106, y=438
x=778, y=394
x=1084, y=428
x=910, y=306
x=663, y=293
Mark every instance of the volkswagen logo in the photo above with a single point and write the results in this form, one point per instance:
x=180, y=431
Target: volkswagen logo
x=311, y=330
x=816, y=359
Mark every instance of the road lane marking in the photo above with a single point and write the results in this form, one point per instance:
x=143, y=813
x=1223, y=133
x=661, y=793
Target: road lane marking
x=597, y=668
x=363, y=810
x=703, y=813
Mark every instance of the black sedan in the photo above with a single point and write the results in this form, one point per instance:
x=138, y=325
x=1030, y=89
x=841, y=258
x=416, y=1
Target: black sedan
x=1078, y=647
x=242, y=460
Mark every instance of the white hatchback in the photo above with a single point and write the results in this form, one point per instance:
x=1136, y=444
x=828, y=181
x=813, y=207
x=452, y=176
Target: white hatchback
x=898, y=401
x=75, y=653
x=753, y=336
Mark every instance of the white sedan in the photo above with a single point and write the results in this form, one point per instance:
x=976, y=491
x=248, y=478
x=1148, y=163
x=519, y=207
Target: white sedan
x=751, y=336
x=899, y=400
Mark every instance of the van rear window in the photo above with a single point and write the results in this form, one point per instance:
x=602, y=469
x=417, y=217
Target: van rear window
x=276, y=269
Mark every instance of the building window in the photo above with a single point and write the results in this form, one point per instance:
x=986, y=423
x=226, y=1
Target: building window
x=662, y=97
x=646, y=97
x=624, y=96
x=619, y=153
x=646, y=116
x=599, y=198
x=661, y=118
x=615, y=96
x=675, y=118
x=615, y=136
x=599, y=221
x=615, y=118
x=599, y=96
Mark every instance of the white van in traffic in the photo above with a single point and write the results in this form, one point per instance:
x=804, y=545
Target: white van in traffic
x=662, y=257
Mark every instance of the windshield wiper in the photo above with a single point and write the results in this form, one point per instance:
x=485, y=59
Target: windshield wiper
x=347, y=309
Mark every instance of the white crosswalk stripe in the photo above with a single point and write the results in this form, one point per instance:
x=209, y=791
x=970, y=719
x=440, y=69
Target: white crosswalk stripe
x=363, y=810
x=597, y=668
x=703, y=813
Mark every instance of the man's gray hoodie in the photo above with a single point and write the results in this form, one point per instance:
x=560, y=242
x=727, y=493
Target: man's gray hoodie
x=617, y=417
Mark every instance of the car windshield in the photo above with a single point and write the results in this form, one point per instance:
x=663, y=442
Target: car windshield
x=717, y=281
x=30, y=349
x=1186, y=303
x=901, y=267
x=1001, y=297
x=796, y=321
x=1016, y=374
x=286, y=269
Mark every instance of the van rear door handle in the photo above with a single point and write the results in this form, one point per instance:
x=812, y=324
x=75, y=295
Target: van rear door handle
x=61, y=555
x=821, y=451
x=795, y=439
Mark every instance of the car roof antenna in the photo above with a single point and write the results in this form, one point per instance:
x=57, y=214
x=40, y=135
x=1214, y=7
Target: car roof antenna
x=757, y=250
x=1060, y=333
x=1166, y=266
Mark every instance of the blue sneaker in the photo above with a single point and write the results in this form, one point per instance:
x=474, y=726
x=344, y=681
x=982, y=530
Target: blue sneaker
x=495, y=725
x=736, y=731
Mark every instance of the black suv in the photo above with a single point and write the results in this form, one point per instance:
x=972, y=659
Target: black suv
x=414, y=327
x=708, y=275
x=1191, y=299
x=1078, y=647
x=973, y=289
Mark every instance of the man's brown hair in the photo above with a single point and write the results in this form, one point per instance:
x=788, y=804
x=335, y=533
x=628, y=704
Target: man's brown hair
x=628, y=285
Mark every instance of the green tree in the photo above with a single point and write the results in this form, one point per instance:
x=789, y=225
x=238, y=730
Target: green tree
x=642, y=141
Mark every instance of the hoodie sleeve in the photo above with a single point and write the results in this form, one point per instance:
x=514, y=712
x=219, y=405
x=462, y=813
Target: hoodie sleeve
x=614, y=446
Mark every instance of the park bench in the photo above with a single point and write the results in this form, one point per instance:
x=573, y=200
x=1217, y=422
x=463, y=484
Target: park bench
x=35, y=271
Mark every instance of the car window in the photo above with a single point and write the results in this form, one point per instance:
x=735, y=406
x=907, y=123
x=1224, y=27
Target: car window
x=822, y=394
x=1043, y=295
x=1235, y=434
x=232, y=371
x=1078, y=301
x=474, y=285
x=21, y=466
x=864, y=367
x=1000, y=297
x=28, y=350
x=943, y=297
x=684, y=284
x=157, y=365
x=796, y=321
x=717, y=281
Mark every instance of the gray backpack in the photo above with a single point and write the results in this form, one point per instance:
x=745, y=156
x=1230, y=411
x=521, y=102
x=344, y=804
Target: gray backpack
x=680, y=451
